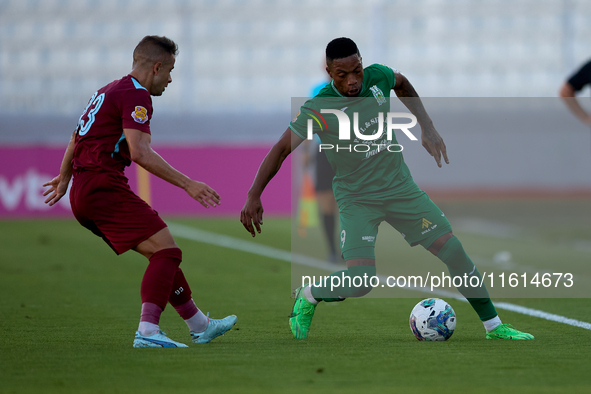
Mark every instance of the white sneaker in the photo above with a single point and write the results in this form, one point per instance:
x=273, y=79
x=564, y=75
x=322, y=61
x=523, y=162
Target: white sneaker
x=215, y=328
x=155, y=340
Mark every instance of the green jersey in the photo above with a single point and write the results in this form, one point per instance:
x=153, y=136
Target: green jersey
x=365, y=168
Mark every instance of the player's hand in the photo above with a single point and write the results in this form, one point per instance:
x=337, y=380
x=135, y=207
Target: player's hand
x=204, y=194
x=57, y=189
x=434, y=144
x=252, y=212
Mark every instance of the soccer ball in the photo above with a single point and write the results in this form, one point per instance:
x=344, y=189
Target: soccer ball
x=432, y=320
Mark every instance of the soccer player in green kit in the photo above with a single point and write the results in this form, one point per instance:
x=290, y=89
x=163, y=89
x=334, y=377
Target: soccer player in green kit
x=372, y=184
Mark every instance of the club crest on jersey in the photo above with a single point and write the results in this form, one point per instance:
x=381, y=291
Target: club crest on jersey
x=140, y=114
x=378, y=94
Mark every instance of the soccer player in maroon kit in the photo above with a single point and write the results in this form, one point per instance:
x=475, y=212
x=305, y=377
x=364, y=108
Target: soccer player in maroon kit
x=113, y=131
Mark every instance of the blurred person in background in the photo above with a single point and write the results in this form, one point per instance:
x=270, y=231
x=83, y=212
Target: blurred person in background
x=568, y=92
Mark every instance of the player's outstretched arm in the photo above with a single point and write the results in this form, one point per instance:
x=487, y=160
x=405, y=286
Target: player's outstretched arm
x=141, y=152
x=430, y=138
x=252, y=212
x=58, y=186
x=568, y=94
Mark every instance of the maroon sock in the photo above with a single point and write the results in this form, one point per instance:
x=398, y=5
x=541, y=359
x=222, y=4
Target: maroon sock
x=159, y=277
x=151, y=313
x=181, y=292
x=187, y=310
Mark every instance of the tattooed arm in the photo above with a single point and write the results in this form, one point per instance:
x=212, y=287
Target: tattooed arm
x=430, y=138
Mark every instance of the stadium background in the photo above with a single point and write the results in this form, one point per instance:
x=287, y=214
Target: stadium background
x=241, y=62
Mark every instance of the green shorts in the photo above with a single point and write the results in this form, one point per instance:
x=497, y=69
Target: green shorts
x=413, y=214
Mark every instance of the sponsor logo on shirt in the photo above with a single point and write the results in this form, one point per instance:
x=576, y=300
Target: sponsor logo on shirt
x=427, y=226
x=140, y=114
x=317, y=117
x=368, y=238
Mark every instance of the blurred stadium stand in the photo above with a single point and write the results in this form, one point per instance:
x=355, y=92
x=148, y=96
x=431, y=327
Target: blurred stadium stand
x=253, y=55
x=242, y=61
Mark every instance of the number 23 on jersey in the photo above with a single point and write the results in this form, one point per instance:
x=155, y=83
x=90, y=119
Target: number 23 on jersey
x=88, y=116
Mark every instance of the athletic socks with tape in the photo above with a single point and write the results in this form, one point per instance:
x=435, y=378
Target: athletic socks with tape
x=149, y=319
x=159, y=277
x=156, y=287
x=195, y=319
x=458, y=263
x=349, y=283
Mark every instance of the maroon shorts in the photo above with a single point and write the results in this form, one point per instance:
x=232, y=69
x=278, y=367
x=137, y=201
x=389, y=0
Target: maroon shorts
x=104, y=203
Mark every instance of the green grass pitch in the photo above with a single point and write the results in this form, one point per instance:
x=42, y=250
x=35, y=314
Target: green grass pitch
x=69, y=309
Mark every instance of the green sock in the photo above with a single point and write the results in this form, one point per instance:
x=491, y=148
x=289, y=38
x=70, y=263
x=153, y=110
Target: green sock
x=458, y=264
x=349, y=283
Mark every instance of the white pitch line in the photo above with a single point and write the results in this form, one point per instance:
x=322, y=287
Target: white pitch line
x=225, y=241
x=542, y=314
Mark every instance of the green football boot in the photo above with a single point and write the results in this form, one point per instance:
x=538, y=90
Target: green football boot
x=506, y=331
x=301, y=315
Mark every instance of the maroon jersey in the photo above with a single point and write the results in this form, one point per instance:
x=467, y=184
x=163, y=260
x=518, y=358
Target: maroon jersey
x=100, y=142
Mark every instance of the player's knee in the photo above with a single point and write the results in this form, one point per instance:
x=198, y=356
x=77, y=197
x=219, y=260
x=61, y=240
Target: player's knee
x=167, y=243
x=162, y=240
x=439, y=243
x=173, y=253
x=452, y=253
